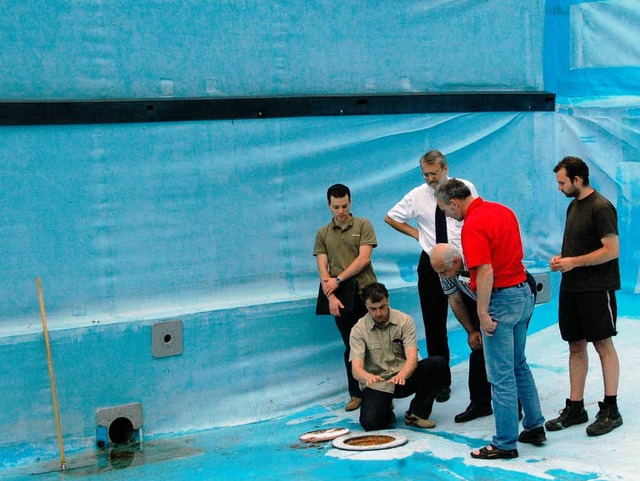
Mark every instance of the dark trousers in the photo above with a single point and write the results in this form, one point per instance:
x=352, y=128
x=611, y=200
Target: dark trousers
x=375, y=410
x=479, y=387
x=434, y=305
x=345, y=323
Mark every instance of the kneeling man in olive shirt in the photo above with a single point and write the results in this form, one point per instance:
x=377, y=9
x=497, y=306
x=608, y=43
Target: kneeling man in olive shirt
x=384, y=358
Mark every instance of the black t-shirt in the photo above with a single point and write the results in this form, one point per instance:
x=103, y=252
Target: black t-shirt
x=588, y=221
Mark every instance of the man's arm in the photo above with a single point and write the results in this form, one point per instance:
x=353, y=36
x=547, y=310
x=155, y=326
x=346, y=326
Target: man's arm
x=323, y=267
x=357, y=369
x=474, y=339
x=610, y=250
x=409, y=367
x=484, y=285
x=460, y=311
x=403, y=227
x=323, y=271
x=359, y=263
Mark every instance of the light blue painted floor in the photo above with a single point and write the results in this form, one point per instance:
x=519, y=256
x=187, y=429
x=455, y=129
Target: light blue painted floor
x=271, y=450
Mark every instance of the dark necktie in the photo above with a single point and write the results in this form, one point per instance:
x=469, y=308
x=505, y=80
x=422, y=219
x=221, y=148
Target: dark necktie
x=441, y=226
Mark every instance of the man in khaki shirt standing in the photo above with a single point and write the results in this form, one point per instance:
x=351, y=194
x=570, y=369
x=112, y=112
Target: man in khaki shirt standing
x=343, y=250
x=384, y=358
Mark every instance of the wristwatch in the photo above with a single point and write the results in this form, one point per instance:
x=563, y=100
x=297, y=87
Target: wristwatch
x=338, y=280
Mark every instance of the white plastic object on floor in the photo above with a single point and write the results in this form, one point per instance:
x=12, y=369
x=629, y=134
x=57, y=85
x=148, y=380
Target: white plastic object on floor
x=323, y=435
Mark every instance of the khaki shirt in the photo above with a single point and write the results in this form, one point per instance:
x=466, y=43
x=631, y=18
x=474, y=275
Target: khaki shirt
x=383, y=349
x=342, y=247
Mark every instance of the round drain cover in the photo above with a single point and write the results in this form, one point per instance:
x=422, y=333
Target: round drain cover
x=323, y=435
x=369, y=442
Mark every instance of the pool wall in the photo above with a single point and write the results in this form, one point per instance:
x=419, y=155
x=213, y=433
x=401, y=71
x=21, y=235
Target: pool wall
x=213, y=222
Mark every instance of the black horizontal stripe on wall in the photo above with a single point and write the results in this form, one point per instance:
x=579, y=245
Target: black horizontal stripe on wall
x=193, y=109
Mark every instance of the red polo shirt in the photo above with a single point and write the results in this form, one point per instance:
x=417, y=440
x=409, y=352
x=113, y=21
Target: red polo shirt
x=491, y=235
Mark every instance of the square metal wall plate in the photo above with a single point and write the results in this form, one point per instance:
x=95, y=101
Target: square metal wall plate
x=542, y=285
x=166, y=338
x=133, y=412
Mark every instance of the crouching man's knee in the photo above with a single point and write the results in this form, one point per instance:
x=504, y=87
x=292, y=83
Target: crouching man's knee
x=371, y=423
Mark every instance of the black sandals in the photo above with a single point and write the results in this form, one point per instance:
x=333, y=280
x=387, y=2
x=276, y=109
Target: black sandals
x=491, y=452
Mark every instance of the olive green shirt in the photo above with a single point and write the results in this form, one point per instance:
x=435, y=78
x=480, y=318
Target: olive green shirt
x=383, y=349
x=342, y=247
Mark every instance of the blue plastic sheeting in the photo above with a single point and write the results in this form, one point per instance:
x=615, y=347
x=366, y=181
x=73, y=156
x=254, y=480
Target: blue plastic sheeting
x=604, y=34
x=127, y=222
x=114, y=49
x=132, y=222
x=591, y=48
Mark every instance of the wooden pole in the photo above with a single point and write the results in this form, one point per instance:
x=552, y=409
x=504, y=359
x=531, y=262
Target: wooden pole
x=52, y=379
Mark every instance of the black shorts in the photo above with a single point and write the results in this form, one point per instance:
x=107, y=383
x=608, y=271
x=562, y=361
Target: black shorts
x=587, y=315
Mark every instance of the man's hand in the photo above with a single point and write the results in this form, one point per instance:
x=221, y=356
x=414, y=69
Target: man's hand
x=335, y=305
x=398, y=379
x=371, y=378
x=329, y=286
x=562, y=264
x=487, y=324
x=474, y=339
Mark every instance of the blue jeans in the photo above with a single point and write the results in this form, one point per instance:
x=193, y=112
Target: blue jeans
x=507, y=368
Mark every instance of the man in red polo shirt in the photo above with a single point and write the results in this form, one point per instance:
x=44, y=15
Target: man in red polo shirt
x=492, y=247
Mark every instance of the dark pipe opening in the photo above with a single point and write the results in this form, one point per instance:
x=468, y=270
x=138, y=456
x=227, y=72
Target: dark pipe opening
x=121, y=431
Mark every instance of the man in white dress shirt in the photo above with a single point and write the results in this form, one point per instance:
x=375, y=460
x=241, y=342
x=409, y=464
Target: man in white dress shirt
x=432, y=228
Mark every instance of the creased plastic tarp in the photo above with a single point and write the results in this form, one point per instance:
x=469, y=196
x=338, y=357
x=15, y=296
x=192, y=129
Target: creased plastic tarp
x=140, y=221
x=137, y=221
x=591, y=48
x=116, y=49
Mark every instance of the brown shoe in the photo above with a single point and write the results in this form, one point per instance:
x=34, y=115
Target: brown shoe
x=411, y=419
x=353, y=404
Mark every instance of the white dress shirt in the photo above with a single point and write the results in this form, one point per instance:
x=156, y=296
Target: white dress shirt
x=420, y=204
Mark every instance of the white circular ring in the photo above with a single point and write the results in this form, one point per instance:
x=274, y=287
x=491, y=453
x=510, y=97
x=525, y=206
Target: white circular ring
x=341, y=442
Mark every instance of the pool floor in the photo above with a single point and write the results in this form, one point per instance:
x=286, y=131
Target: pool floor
x=271, y=449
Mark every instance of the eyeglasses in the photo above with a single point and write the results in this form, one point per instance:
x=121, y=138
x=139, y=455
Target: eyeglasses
x=426, y=175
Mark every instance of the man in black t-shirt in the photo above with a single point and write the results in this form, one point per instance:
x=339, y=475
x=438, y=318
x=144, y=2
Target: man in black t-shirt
x=587, y=303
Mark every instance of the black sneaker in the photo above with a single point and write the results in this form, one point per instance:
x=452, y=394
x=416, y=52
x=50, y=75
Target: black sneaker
x=534, y=436
x=607, y=419
x=569, y=416
x=473, y=412
x=443, y=394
